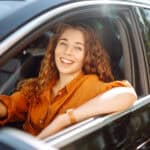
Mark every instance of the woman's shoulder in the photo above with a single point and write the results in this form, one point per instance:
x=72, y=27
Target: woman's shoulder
x=94, y=80
x=91, y=79
x=91, y=85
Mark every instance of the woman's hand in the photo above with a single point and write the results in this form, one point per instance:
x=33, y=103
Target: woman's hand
x=3, y=110
x=60, y=122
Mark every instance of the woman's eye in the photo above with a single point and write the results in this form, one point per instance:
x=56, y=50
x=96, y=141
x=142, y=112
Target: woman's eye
x=78, y=48
x=62, y=43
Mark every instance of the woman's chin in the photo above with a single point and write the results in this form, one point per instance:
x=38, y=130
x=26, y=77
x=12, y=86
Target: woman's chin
x=68, y=72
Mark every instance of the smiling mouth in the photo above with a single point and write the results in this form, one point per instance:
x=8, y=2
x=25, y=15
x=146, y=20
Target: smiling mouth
x=66, y=61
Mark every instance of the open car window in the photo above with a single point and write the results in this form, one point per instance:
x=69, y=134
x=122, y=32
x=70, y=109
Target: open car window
x=26, y=63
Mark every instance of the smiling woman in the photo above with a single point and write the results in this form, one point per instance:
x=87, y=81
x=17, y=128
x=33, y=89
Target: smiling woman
x=70, y=52
x=75, y=82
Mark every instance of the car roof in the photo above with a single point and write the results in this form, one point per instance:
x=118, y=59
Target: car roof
x=16, y=13
x=130, y=1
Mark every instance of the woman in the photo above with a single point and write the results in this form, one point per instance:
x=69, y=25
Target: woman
x=74, y=70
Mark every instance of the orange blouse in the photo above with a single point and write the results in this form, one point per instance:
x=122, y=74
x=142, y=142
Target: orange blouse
x=37, y=116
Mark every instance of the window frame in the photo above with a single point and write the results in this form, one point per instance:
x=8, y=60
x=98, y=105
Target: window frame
x=141, y=53
x=143, y=47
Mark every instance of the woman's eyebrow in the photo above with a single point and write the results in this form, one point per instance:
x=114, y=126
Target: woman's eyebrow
x=80, y=43
x=63, y=39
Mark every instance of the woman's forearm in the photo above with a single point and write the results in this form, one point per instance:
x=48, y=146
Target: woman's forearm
x=60, y=122
x=3, y=110
x=114, y=100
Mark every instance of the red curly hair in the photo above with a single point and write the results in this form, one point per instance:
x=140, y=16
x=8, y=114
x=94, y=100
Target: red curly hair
x=96, y=59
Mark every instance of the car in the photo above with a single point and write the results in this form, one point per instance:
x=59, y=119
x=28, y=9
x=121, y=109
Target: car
x=123, y=28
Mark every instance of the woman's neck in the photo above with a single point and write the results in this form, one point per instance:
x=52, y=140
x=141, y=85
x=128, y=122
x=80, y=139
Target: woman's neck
x=64, y=79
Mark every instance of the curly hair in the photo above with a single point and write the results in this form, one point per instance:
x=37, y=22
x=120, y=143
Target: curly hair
x=96, y=59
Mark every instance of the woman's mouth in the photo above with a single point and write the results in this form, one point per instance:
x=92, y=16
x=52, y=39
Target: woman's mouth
x=66, y=61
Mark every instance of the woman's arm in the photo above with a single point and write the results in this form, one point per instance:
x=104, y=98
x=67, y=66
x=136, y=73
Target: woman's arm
x=12, y=107
x=115, y=100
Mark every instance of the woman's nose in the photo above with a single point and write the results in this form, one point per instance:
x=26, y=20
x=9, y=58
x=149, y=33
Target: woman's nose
x=68, y=50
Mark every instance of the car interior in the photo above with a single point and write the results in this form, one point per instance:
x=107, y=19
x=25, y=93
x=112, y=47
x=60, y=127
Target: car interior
x=27, y=63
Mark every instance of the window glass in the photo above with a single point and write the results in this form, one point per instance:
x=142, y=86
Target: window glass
x=127, y=132
x=146, y=30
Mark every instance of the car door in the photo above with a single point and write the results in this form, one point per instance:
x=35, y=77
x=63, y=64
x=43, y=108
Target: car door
x=126, y=130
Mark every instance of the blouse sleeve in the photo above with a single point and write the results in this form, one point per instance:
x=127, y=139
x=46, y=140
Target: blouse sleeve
x=110, y=85
x=95, y=86
x=17, y=106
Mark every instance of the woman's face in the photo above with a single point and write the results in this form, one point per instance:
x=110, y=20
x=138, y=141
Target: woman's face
x=70, y=52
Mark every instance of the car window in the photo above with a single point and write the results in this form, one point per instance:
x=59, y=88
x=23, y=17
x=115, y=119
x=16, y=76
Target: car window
x=146, y=31
x=23, y=65
x=107, y=29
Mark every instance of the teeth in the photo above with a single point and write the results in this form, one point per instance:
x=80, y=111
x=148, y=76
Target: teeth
x=66, y=61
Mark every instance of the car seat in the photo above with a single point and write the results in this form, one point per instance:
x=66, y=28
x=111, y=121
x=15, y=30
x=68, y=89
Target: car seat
x=110, y=40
